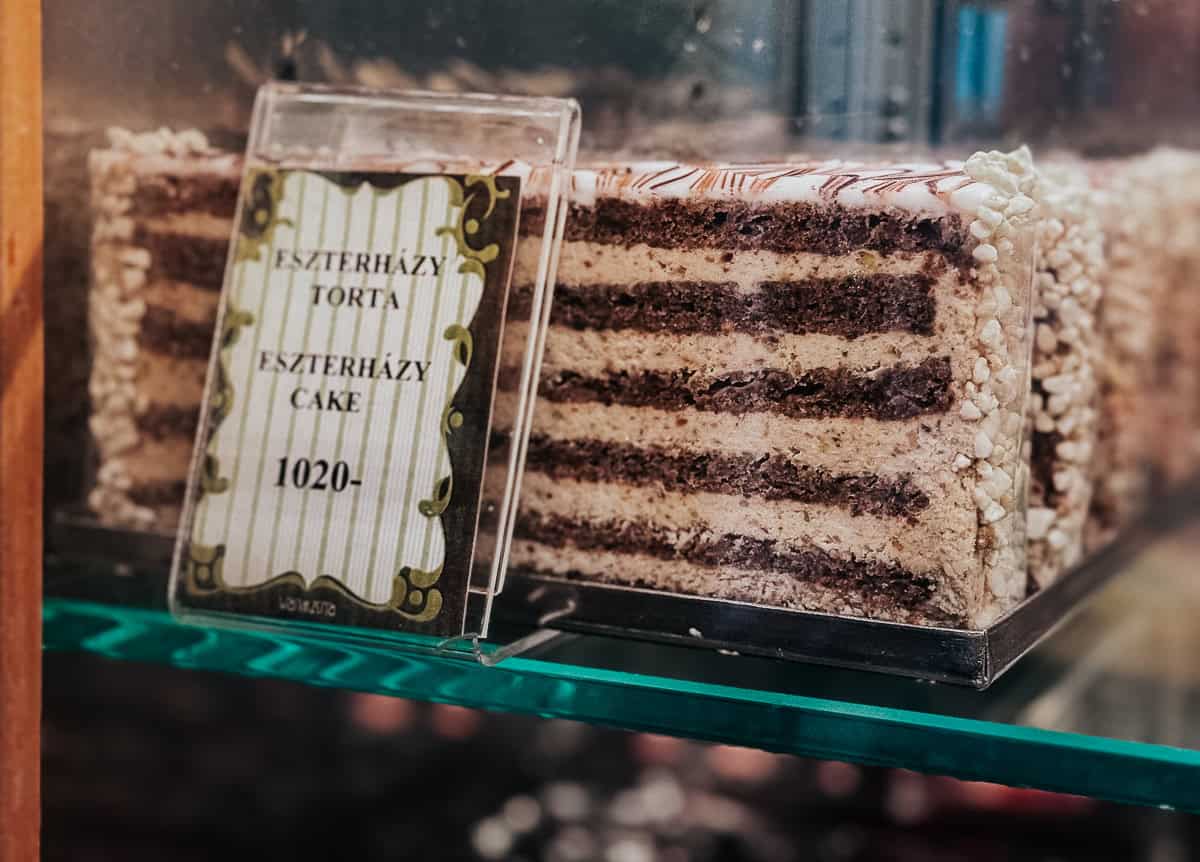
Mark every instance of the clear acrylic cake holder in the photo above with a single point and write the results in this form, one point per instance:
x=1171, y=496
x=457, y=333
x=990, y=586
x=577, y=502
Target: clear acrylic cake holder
x=350, y=129
x=535, y=610
x=1009, y=628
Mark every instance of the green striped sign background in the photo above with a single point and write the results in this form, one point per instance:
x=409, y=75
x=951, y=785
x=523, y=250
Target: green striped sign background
x=361, y=536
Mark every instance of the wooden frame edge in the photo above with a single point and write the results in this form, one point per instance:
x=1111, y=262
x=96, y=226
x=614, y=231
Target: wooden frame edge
x=21, y=420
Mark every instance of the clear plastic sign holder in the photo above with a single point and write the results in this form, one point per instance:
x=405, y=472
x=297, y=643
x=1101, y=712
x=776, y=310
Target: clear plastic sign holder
x=374, y=366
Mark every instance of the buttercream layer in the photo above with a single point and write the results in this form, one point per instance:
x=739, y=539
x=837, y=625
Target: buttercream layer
x=739, y=474
x=589, y=263
x=186, y=301
x=819, y=582
x=595, y=353
x=887, y=392
x=171, y=380
x=728, y=550
x=835, y=444
x=196, y=224
x=924, y=544
x=159, y=460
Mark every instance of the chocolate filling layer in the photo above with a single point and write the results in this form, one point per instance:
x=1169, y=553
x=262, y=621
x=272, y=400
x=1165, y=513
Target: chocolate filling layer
x=183, y=257
x=880, y=586
x=769, y=477
x=891, y=393
x=163, y=331
x=153, y=494
x=169, y=420
x=212, y=194
x=851, y=306
x=738, y=225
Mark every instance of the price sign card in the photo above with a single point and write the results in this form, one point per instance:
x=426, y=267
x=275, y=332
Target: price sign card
x=339, y=475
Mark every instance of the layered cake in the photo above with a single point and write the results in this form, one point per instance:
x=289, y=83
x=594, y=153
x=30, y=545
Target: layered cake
x=799, y=385
x=1064, y=401
x=796, y=385
x=163, y=206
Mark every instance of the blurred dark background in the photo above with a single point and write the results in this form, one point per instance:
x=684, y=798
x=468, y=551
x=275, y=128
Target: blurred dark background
x=1070, y=73
x=149, y=763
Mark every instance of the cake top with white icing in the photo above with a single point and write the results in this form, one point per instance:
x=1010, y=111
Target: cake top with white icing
x=931, y=187
x=164, y=151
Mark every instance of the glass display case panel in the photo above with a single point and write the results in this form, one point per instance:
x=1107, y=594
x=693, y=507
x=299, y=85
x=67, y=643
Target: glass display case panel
x=827, y=338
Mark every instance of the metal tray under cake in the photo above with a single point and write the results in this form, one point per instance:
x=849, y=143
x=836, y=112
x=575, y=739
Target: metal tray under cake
x=131, y=569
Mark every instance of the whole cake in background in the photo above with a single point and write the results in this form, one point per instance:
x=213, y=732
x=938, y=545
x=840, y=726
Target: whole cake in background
x=1174, y=177
x=163, y=205
x=1136, y=283
x=1149, y=319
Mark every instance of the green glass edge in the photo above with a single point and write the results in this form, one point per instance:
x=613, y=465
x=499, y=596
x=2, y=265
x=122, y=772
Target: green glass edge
x=1119, y=770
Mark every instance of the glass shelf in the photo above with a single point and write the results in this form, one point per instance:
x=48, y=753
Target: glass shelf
x=1106, y=707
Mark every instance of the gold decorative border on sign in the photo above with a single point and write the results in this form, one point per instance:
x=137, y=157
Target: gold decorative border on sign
x=476, y=258
x=463, y=349
x=260, y=212
x=221, y=401
x=415, y=595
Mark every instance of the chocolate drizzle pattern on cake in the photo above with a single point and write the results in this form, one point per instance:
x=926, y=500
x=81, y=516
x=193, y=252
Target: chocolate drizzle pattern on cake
x=754, y=180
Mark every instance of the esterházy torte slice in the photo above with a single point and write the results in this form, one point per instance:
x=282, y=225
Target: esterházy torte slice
x=795, y=385
x=886, y=305
x=163, y=206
